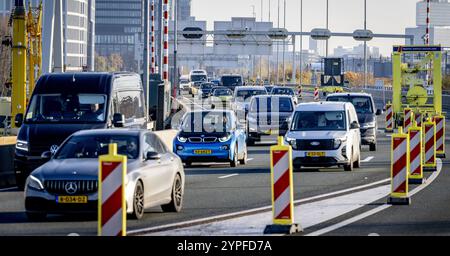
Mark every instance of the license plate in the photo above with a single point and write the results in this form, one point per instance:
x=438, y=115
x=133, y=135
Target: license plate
x=315, y=154
x=203, y=152
x=72, y=199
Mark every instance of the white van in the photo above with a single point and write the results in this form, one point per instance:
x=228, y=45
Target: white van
x=325, y=134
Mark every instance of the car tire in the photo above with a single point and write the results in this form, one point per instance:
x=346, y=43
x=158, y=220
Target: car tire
x=36, y=216
x=243, y=161
x=373, y=147
x=234, y=162
x=138, y=202
x=349, y=167
x=250, y=142
x=177, y=196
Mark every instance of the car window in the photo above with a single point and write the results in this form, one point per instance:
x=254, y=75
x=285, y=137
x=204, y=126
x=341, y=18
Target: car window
x=363, y=104
x=269, y=104
x=319, y=121
x=150, y=144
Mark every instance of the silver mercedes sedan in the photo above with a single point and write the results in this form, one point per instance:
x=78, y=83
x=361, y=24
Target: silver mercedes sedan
x=68, y=182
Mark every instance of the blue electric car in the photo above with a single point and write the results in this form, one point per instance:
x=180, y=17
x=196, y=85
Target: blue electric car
x=211, y=136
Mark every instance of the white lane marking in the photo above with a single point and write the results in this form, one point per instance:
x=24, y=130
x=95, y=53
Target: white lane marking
x=193, y=103
x=250, y=159
x=373, y=234
x=228, y=176
x=251, y=211
x=306, y=215
x=368, y=159
x=7, y=189
x=430, y=180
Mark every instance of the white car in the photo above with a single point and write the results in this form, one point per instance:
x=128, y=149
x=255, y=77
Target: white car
x=242, y=97
x=325, y=134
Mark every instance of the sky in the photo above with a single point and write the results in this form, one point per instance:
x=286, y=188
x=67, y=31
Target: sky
x=383, y=17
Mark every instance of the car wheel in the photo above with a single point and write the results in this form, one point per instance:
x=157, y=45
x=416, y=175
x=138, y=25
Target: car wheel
x=349, y=167
x=234, y=162
x=243, y=161
x=250, y=142
x=36, y=216
x=138, y=202
x=373, y=147
x=177, y=196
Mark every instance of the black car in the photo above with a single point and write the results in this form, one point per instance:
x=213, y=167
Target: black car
x=63, y=104
x=268, y=115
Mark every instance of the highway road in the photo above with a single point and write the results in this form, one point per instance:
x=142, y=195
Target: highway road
x=215, y=189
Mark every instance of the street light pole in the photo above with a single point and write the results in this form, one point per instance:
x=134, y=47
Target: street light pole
x=284, y=45
x=326, y=48
x=278, y=46
x=365, y=44
x=301, y=42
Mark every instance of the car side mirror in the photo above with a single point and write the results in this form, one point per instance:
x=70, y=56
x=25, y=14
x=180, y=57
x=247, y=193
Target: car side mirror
x=118, y=120
x=46, y=155
x=379, y=112
x=152, y=156
x=354, y=125
x=18, y=121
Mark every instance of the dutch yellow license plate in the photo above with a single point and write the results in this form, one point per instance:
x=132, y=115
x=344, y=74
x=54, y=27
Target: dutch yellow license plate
x=315, y=154
x=72, y=199
x=203, y=152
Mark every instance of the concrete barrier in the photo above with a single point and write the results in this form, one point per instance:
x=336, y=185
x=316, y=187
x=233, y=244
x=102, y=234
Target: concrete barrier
x=7, y=178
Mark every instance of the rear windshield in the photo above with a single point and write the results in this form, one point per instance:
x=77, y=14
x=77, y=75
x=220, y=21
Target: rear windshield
x=247, y=94
x=231, y=81
x=282, y=91
x=363, y=105
x=223, y=92
x=269, y=104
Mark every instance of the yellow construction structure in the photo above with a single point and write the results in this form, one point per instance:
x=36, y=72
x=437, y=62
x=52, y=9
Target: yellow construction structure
x=417, y=80
x=26, y=44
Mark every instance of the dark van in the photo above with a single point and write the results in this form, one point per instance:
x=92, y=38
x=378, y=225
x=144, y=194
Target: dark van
x=63, y=104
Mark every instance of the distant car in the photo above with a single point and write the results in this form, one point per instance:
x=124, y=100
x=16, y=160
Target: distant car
x=221, y=96
x=184, y=84
x=367, y=115
x=231, y=81
x=242, y=97
x=325, y=134
x=205, y=90
x=282, y=90
x=216, y=82
x=268, y=115
x=211, y=136
x=68, y=183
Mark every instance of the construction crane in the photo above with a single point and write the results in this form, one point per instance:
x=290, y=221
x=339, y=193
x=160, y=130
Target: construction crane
x=26, y=54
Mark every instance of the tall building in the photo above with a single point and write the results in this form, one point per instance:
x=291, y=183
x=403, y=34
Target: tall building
x=439, y=23
x=184, y=9
x=78, y=32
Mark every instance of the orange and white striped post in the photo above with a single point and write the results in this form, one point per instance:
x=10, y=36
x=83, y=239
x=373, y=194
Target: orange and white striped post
x=282, y=190
x=408, y=120
x=300, y=92
x=440, y=136
x=389, y=118
x=316, y=94
x=399, y=169
x=415, y=155
x=429, y=129
x=111, y=194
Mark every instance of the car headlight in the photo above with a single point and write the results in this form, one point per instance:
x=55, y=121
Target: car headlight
x=22, y=145
x=368, y=125
x=35, y=183
x=182, y=139
x=338, y=143
x=292, y=142
x=225, y=138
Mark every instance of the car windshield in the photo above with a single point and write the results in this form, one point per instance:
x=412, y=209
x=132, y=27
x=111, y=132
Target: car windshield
x=223, y=92
x=208, y=122
x=363, y=105
x=282, y=91
x=67, y=108
x=319, y=121
x=206, y=86
x=247, y=95
x=232, y=81
x=79, y=147
x=269, y=104
x=198, y=78
x=183, y=81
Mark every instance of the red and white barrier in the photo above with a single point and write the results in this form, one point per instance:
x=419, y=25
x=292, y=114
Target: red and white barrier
x=152, y=38
x=389, y=118
x=111, y=195
x=440, y=136
x=409, y=117
x=399, y=169
x=415, y=157
x=165, y=22
x=316, y=94
x=282, y=190
x=300, y=92
x=419, y=119
x=430, y=145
